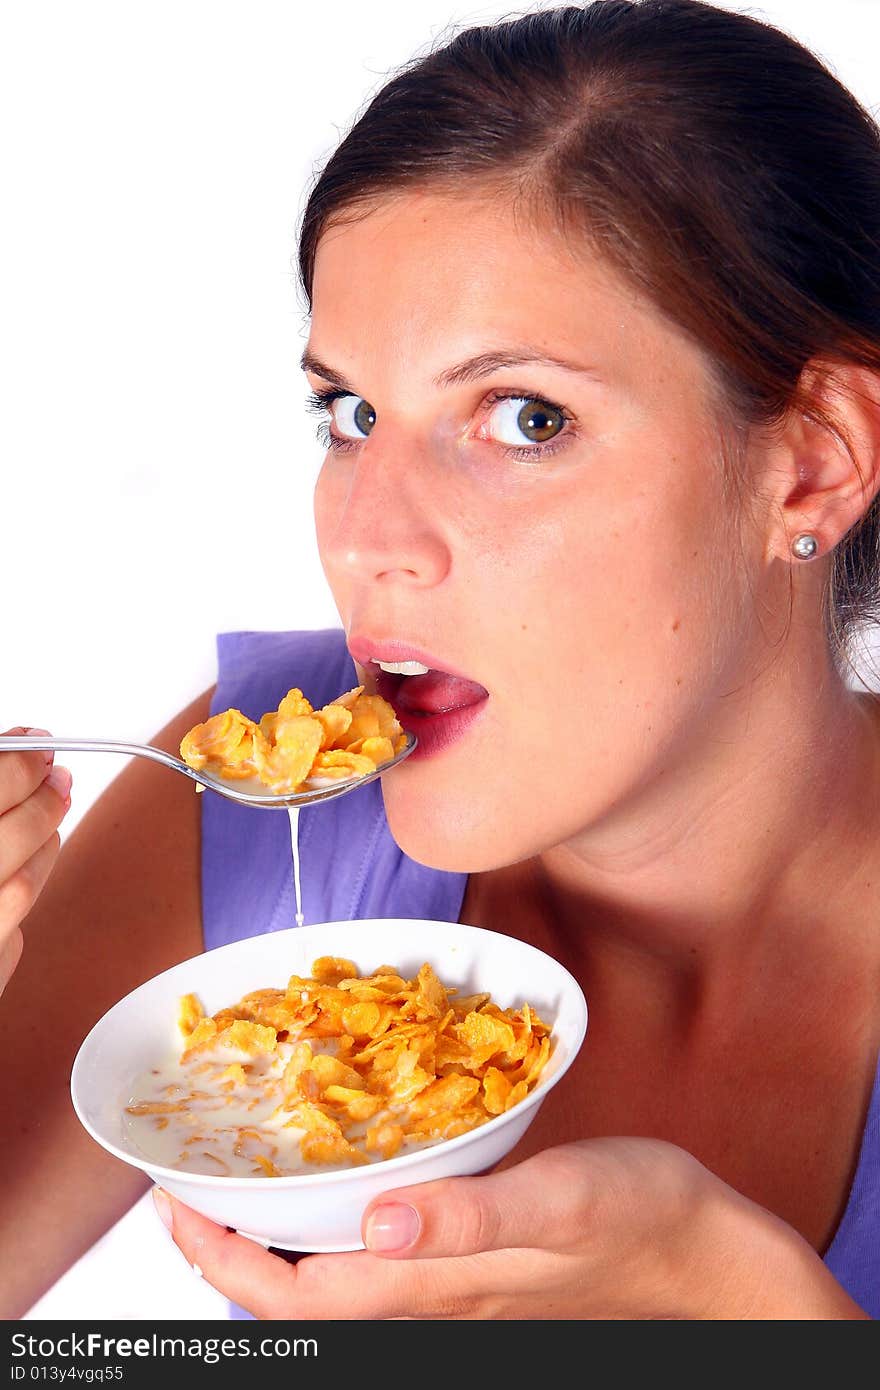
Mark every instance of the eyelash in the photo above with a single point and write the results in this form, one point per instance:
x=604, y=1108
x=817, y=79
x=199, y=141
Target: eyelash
x=319, y=402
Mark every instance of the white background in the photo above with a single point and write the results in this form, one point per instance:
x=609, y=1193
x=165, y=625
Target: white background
x=157, y=464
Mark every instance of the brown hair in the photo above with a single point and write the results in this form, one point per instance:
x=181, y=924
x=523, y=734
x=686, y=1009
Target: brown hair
x=711, y=157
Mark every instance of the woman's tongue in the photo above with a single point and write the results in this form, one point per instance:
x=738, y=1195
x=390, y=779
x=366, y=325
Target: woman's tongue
x=436, y=693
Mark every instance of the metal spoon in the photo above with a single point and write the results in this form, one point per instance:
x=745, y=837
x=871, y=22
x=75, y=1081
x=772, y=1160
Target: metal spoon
x=242, y=790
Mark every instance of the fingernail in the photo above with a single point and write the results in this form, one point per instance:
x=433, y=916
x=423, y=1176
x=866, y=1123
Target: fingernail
x=163, y=1207
x=60, y=780
x=42, y=733
x=393, y=1226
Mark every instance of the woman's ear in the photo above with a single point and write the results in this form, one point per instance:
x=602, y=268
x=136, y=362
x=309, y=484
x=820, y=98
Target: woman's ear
x=826, y=458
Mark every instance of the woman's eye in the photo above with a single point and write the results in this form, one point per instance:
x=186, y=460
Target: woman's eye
x=353, y=416
x=525, y=419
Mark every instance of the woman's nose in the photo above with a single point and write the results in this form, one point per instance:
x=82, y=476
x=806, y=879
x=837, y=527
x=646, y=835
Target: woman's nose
x=381, y=518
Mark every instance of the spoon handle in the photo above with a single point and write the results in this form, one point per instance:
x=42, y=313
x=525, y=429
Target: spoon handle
x=15, y=743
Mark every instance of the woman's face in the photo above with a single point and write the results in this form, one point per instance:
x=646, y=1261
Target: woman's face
x=556, y=534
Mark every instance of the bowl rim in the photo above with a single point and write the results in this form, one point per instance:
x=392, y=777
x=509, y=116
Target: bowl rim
x=296, y=1181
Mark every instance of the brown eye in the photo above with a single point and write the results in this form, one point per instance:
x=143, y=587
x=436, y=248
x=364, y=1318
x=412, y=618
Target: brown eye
x=528, y=420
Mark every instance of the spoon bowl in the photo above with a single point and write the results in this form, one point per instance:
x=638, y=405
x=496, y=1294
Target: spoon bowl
x=246, y=791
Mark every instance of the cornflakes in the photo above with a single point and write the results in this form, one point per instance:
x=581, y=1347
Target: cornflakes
x=338, y=1069
x=296, y=746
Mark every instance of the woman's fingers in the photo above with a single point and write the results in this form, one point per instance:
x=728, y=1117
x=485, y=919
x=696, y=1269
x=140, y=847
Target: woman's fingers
x=21, y=772
x=34, y=799
x=265, y=1284
x=19, y=893
x=530, y=1206
x=539, y=1205
x=344, y=1285
x=235, y=1265
x=26, y=827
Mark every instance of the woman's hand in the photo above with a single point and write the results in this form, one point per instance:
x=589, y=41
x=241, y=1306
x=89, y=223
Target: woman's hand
x=34, y=799
x=601, y=1229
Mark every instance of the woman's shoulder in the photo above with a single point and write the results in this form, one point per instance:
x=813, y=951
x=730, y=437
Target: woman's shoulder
x=854, y=1254
x=255, y=669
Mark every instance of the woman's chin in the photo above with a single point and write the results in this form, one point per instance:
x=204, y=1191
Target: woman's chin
x=451, y=838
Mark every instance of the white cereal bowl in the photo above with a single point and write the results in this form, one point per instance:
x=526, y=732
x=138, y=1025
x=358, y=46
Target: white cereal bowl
x=321, y=1211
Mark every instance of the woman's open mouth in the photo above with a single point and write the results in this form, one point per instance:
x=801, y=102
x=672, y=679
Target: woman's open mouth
x=435, y=705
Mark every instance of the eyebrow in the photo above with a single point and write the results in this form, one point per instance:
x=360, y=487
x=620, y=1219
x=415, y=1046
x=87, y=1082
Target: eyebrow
x=472, y=369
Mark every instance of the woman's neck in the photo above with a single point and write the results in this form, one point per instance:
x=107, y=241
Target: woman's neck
x=768, y=815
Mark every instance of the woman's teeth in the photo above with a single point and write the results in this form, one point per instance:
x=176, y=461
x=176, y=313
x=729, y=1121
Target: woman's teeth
x=403, y=668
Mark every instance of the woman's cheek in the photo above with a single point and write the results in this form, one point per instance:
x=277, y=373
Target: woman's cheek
x=325, y=500
x=328, y=507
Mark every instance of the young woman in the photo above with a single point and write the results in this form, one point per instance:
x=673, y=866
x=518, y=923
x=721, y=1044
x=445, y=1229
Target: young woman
x=595, y=325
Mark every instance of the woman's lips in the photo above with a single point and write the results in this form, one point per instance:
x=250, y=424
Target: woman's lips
x=434, y=693
x=437, y=707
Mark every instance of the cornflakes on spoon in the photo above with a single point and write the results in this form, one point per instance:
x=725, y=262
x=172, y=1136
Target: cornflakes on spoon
x=296, y=747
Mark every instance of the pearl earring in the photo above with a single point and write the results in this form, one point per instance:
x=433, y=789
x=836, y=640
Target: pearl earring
x=805, y=546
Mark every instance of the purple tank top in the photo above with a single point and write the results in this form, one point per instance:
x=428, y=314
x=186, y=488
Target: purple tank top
x=352, y=868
